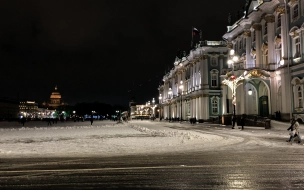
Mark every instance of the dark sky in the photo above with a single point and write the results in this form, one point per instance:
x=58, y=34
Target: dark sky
x=95, y=50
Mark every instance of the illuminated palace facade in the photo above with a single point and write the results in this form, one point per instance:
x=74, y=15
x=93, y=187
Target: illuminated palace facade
x=268, y=40
x=199, y=76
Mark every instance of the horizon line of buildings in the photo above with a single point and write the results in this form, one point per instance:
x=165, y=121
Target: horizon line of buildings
x=12, y=109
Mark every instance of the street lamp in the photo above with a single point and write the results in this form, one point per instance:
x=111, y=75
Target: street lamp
x=74, y=113
x=233, y=59
x=181, y=87
x=170, y=94
x=250, y=92
x=160, y=98
x=153, y=104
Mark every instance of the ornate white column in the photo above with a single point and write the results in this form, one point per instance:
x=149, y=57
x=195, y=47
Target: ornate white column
x=270, y=38
x=273, y=92
x=200, y=107
x=205, y=106
x=206, y=73
x=284, y=32
x=258, y=44
x=191, y=107
x=195, y=107
x=197, y=74
x=249, y=63
x=224, y=99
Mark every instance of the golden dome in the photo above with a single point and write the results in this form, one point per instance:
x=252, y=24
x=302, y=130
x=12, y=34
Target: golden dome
x=56, y=94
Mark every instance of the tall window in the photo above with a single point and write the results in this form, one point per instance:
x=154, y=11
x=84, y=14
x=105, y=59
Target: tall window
x=295, y=11
x=241, y=44
x=253, y=38
x=213, y=62
x=245, y=44
x=214, y=78
x=298, y=48
x=214, y=106
x=279, y=20
x=300, y=97
x=265, y=28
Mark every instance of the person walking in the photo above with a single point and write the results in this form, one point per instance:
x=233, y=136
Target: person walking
x=23, y=120
x=295, y=131
x=91, y=119
x=242, y=122
x=49, y=121
x=233, y=121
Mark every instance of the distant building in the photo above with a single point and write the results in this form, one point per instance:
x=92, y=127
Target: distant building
x=28, y=109
x=132, y=106
x=55, y=100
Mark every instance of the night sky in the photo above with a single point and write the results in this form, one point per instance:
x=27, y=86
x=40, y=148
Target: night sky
x=95, y=50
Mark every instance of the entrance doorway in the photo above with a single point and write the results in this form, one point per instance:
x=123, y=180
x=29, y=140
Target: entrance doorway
x=263, y=105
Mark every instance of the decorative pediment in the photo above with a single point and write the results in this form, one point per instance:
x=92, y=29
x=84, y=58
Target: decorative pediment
x=256, y=74
x=297, y=81
x=292, y=2
x=294, y=32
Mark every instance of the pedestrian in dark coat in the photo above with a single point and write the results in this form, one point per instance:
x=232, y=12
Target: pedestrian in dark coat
x=23, y=120
x=49, y=121
x=233, y=121
x=242, y=122
x=91, y=119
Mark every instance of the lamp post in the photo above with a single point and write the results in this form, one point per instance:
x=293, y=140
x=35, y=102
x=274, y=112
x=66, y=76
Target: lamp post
x=170, y=94
x=153, y=107
x=159, y=98
x=233, y=59
x=181, y=87
x=74, y=113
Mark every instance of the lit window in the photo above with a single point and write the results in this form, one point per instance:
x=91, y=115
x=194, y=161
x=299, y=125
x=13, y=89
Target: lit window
x=214, y=81
x=298, y=48
x=214, y=78
x=214, y=105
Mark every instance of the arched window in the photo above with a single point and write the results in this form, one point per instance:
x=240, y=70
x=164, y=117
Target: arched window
x=297, y=93
x=214, y=101
x=214, y=106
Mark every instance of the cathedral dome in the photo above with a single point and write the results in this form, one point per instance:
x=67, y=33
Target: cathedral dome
x=55, y=94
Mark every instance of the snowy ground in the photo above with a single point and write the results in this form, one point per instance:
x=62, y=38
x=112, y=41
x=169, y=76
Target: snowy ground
x=107, y=138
